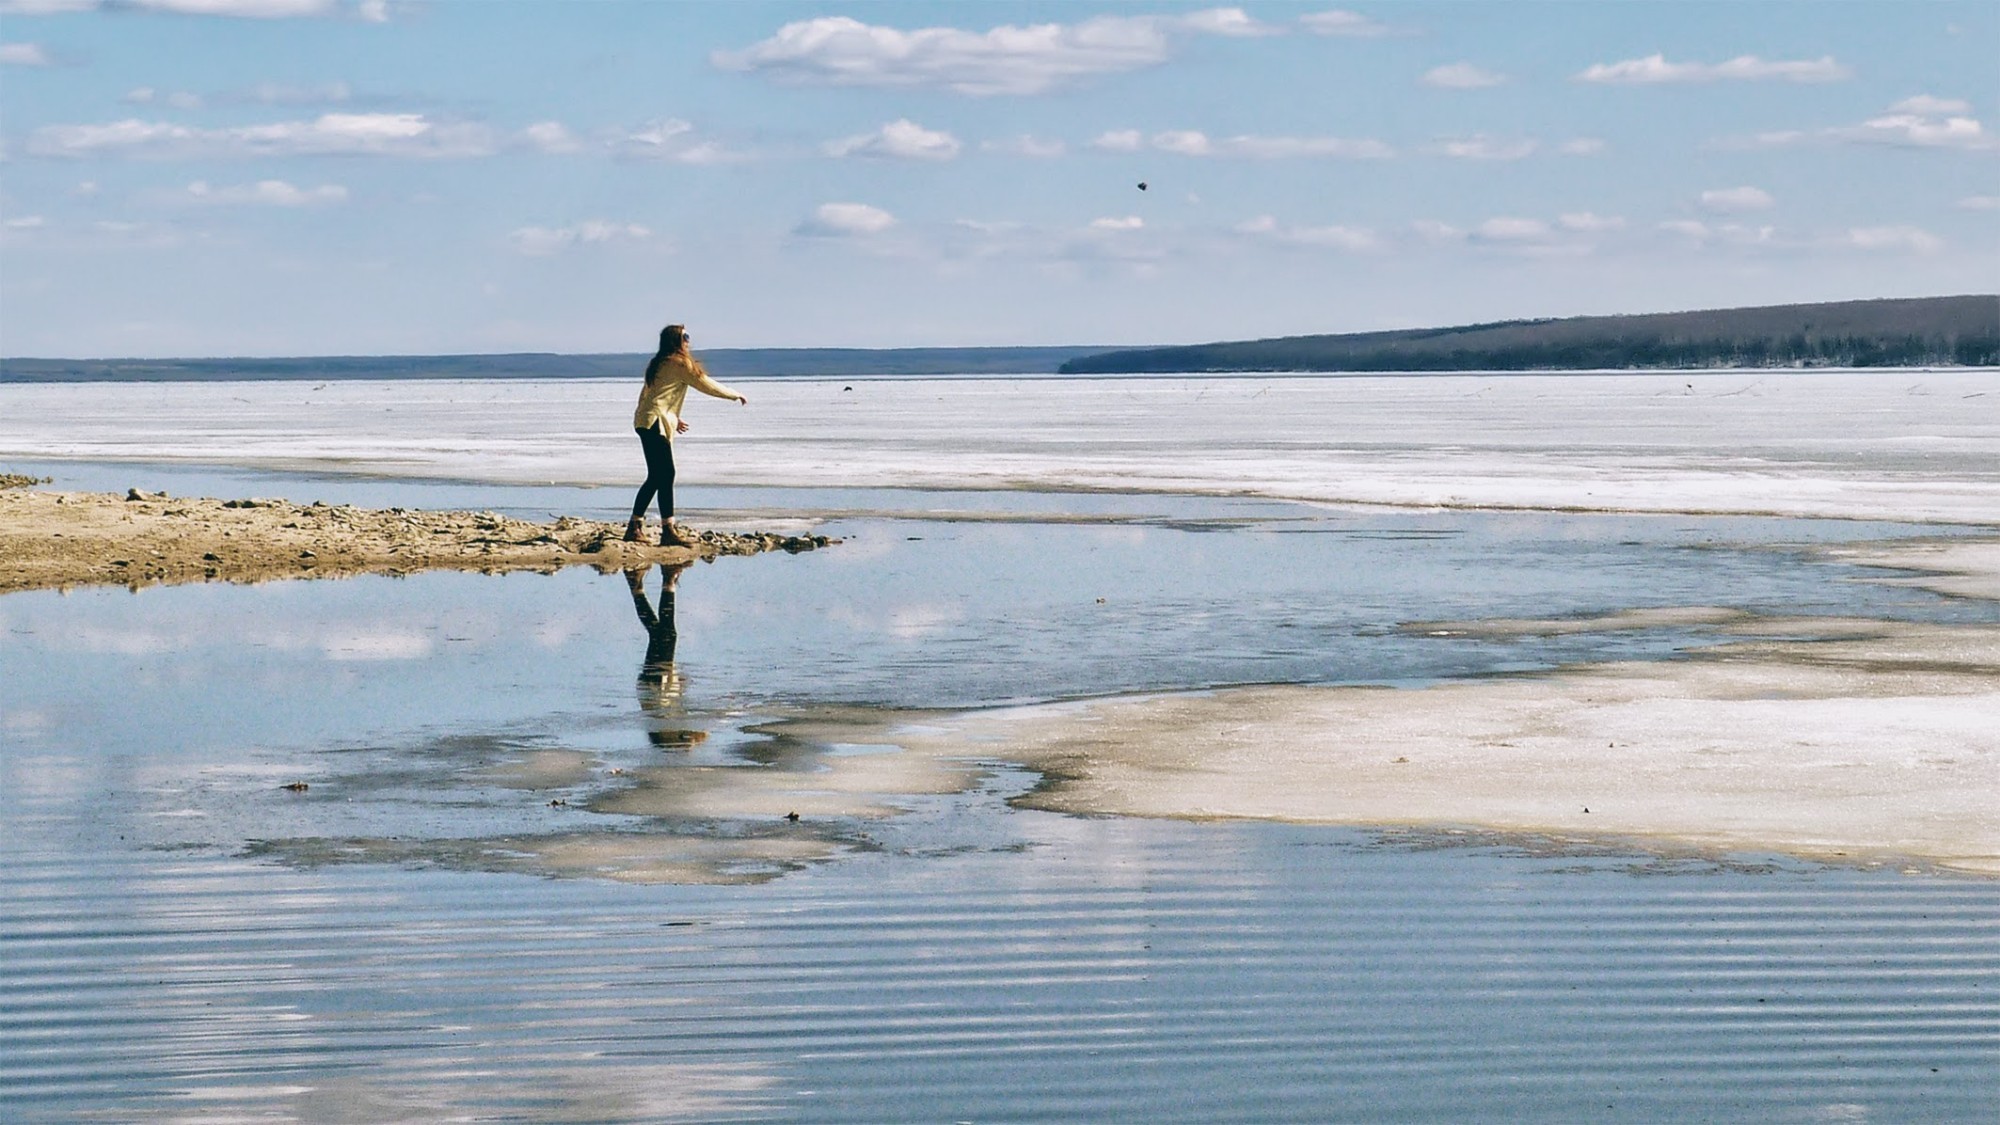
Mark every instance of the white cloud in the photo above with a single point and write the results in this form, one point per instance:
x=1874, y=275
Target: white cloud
x=1437, y=233
x=1509, y=229
x=243, y=9
x=268, y=193
x=1274, y=148
x=1589, y=222
x=146, y=95
x=1486, y=148
x=1186, y=142
x=331, y=134
x=1921, y=122
x=25, y=222
x=24, y=54
x=901, y=139
x=841, y=51
x=1980, y=203
x=370, y=11
x=839, y=220
x=1118, y=223
x=1571, y=234
x=1026, y=145
x=276, y=93
x=1120, y=140
x=1729, y=234
x=1581, y=146
x=1927, y=105
x=1732, y=200
x=1462, y=76
x=1656, y=70
x=1354, y=240
x=1232, y=23
x=544, y=241
x=673, y=140
x=1190, y=142
x=1340, y=22
x=1902, y=239
x=551, y=136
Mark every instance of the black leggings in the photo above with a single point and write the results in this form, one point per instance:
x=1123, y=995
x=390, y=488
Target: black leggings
x=659, y=474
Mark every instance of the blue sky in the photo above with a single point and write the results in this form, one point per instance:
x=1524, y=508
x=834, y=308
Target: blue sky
x=289, y=177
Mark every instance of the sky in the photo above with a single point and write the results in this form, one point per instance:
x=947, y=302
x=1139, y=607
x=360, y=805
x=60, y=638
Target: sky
x=314, y=177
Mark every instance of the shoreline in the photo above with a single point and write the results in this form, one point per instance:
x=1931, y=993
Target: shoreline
x=59, y=540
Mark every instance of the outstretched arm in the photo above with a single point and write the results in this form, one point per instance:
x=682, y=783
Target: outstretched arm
x=701, y=382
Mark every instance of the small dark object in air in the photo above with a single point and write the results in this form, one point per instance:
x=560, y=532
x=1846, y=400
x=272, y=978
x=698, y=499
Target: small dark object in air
x=1142, y=185
x=295, y=786
x=793, y=817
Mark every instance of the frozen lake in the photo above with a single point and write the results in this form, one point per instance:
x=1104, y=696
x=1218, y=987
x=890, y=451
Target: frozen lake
x=1865, y=444
x=533, y=877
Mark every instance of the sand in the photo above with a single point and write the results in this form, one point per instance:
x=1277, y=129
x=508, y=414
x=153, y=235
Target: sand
x=1847, y=740
x=55, y=540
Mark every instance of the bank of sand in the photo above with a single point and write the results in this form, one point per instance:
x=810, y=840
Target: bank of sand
x=54, y=540
x=1849, y=740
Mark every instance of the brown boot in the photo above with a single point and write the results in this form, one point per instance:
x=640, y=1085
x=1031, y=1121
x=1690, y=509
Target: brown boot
x=671, y=536
x=635, y=527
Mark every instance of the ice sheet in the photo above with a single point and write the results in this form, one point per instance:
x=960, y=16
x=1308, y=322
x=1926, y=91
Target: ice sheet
x=1896, y=444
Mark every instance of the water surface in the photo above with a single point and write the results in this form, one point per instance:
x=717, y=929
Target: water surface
x=454, y=918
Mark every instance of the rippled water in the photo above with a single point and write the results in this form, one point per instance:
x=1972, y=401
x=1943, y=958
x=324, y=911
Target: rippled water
x=446, y=923
x=1095, y=970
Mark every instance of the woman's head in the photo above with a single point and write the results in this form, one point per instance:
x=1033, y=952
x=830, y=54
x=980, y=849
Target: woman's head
x=672, y=339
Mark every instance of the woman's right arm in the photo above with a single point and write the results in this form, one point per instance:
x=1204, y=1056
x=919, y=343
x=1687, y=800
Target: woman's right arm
x=699, y=380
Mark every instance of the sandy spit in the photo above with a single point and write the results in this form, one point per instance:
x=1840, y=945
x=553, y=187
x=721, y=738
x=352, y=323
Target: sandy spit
x=1878, y=749
x=55, y=540
x=1843, y=739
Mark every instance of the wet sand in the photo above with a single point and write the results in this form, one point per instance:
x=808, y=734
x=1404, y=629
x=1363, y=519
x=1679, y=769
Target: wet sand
x=1836, y=739
x=55, y=540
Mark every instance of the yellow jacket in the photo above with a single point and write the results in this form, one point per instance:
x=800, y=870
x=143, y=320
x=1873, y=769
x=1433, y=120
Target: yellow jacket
x=660, y=399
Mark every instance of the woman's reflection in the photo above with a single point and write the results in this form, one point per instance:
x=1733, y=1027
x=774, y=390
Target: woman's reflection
x=659, y=678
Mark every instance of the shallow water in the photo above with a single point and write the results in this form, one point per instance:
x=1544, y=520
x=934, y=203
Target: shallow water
x=502, y=896
x=1088, y=969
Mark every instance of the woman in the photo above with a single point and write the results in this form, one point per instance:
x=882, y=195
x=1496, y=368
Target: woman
x=658, y=419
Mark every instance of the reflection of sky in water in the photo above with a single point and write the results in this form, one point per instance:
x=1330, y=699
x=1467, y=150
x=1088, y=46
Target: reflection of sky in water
x=907, y=613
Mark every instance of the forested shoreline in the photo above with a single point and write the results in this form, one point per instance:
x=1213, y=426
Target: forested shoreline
x=1913, y=332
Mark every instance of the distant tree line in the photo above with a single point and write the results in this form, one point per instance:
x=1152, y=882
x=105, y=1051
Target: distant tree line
x=1944, y=331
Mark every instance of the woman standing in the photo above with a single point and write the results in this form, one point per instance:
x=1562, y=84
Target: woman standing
x=657, y=419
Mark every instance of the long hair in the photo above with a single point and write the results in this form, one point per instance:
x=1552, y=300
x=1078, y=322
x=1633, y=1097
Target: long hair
x=672, y=339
